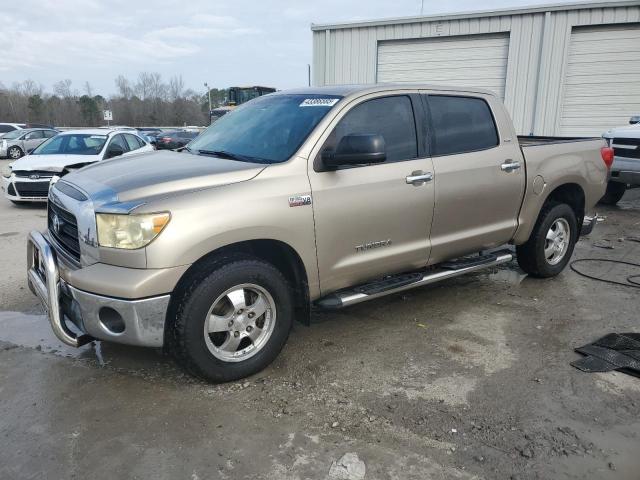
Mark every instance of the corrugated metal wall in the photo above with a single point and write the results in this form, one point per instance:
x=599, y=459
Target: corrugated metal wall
x=538, y=50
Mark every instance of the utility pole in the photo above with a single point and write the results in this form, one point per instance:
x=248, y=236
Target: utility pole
x=422, y=7
x=206, y=85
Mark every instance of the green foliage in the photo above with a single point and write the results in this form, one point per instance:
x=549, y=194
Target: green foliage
x=35, y=104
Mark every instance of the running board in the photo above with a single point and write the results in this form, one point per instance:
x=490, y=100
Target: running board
x=405, y=281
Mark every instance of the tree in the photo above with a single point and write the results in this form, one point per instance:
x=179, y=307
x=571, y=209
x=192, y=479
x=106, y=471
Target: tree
x=89, y=109
x=36, y=107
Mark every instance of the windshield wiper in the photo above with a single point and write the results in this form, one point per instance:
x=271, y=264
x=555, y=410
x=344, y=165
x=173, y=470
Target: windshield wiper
x=231, y=156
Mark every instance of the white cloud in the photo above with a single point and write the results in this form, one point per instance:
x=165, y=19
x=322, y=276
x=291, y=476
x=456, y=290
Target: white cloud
x=224, y=42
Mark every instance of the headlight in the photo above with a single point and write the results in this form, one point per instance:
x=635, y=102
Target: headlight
x=6, y=171
x=129, y=231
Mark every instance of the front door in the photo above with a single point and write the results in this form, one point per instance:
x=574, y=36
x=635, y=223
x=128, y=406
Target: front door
x=370, y=219
x=32, y=140
x=479, y=175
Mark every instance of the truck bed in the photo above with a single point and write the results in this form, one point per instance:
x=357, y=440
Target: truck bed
x=532, y=140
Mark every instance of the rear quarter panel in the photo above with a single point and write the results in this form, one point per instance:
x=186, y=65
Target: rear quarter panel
x=552, y=165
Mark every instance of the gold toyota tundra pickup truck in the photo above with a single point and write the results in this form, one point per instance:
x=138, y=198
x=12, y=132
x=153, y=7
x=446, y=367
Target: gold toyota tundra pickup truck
x=320, y=197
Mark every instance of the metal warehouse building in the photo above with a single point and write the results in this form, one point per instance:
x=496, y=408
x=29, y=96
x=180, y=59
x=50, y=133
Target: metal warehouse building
x=571, y=69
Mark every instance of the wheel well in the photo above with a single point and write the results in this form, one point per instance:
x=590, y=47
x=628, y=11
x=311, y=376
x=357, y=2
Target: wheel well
x=571, y=194
x=275, y=252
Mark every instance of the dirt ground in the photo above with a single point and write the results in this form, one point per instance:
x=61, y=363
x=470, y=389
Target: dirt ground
x=469, y=379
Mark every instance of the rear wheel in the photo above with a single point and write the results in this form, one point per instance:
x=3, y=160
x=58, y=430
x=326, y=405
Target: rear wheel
x=232, y=321
x=615, y=192
x=551, y=243
x=15, y=152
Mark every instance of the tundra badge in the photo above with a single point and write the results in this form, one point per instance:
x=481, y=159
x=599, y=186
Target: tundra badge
x=369, y=245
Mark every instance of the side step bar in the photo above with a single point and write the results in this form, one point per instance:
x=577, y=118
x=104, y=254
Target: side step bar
x=399, y=283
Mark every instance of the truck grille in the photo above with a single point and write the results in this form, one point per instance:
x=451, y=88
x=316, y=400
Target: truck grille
x=33, y=189
x=63, y=227
x=632, y=149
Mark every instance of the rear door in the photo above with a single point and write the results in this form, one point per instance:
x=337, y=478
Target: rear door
x=479, y=174
x=369, y=220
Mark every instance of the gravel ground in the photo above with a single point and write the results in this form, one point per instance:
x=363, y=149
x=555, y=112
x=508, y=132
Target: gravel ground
x=468, y=379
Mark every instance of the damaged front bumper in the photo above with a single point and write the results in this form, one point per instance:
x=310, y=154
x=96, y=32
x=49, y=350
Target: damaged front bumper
x=78, y=317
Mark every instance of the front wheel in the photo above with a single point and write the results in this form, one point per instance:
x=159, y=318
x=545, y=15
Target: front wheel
x=233, y=320
x=15, y=153
x=551, y=243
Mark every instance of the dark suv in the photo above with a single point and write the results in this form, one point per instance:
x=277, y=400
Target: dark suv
x=174, y=139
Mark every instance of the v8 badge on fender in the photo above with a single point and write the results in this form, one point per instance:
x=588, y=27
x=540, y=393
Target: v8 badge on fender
x=299, y=200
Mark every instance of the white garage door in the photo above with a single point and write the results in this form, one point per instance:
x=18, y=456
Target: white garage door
x=602, y=82
x=465, y=61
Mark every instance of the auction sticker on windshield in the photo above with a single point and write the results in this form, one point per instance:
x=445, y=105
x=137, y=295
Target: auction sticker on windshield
x=319, y=102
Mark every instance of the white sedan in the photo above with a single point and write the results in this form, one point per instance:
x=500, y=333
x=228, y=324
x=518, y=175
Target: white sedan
x=28, y=179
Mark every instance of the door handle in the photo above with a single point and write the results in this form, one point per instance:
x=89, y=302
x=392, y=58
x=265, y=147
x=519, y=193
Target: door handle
x=509, y=166
x=419, y=178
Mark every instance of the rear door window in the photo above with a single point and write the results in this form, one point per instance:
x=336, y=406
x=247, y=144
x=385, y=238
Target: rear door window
x=6, y=128
x=460, y=124
x=392, y=117
x=132, y=141
x=119, y=140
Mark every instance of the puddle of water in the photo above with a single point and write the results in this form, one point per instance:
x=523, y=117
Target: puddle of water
x=510, y=276
x=33, y=331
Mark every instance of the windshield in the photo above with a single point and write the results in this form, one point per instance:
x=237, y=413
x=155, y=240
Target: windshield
x=13, y=134
x=267, y=129
x=72, y=144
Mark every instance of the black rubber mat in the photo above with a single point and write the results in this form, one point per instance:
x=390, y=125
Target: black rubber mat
x=615, y=351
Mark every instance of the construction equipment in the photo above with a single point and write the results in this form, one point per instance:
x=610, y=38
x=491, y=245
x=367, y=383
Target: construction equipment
x=237, y=96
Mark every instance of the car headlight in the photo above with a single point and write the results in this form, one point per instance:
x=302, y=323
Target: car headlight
x=6, y=171
x=129, y=231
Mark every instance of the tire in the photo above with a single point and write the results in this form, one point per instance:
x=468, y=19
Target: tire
x=15, y=153
x=615, y=191
x=214, y=293
x=554, y=219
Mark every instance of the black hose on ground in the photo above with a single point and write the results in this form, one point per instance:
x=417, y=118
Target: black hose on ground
x=631, y=279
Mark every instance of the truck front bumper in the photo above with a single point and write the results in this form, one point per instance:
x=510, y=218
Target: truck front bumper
x=626, y=170
x=78, y=317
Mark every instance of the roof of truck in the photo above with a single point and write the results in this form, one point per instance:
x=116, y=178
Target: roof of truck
x=344, y=90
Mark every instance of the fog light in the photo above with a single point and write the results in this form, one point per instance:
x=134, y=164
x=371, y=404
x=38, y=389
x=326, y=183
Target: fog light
x=111, y=320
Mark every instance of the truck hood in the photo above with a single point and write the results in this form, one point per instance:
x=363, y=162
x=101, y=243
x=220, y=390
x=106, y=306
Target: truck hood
x=631, y=131
x=51, y=163
x=138, y=177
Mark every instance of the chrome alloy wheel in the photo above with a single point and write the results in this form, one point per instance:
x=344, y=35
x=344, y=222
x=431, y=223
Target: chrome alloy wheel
x=240, y=322
x=15, y=153
x=557, y=241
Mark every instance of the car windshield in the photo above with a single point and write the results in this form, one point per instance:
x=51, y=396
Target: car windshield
x=268, y=129
x=72, y=144
x=12, y=135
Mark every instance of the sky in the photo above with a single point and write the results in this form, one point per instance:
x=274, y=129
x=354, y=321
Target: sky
x=223, y=43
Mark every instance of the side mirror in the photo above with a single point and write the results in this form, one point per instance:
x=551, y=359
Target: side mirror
x=114, y=151
x=634, y=120
x=356, y=149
